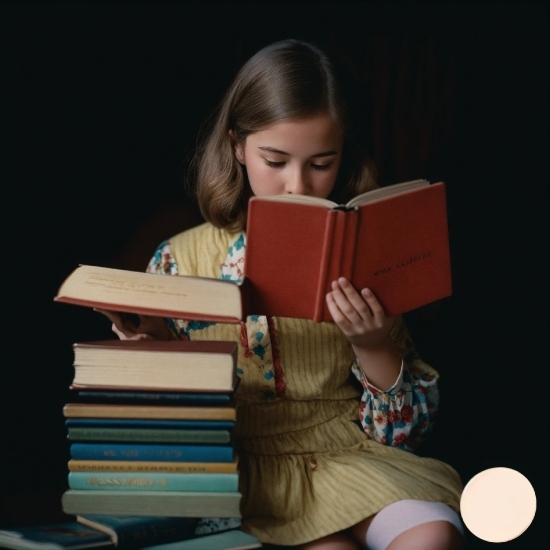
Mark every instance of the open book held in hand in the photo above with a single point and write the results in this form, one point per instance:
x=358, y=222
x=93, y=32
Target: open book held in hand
x=393, y=240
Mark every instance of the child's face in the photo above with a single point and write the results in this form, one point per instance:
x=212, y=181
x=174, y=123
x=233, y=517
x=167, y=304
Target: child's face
x=299, y=156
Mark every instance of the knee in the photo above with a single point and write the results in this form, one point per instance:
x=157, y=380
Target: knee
x=434, y=535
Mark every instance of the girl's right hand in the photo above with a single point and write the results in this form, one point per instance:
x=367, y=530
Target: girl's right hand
x=148, y=327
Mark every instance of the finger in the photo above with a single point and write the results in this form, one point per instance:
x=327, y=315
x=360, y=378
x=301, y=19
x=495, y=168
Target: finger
x=344, y=305
x=337, y=316
x=355, y=299
x=374, y=305
x=123, y=327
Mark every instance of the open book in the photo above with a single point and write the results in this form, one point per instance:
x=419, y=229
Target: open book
x=393, y=240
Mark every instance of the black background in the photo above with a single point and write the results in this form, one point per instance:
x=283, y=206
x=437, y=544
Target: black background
x=104, y=101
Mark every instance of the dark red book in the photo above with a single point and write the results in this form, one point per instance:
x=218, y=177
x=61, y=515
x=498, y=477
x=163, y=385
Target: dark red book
x=393, y=240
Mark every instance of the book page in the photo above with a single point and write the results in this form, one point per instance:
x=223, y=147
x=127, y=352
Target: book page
x=305, y=199
x=148, y=293
x=387, y=191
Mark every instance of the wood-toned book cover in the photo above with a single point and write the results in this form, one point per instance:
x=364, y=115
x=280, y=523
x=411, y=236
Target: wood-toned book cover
x=153, y=466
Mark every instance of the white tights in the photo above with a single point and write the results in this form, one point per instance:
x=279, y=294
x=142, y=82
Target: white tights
x=402, y=515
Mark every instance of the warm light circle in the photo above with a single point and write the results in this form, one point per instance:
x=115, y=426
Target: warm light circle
x=498, y=504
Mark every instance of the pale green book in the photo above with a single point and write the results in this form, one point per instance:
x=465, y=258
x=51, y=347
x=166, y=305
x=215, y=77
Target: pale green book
x=128, y=481
x=228, y=540
x=152, y=503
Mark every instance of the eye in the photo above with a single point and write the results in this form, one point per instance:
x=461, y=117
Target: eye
x=321, y=167
x=273, y=164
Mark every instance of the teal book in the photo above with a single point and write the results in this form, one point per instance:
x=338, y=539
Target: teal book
x=228, y=540
x=148, y=435
x=54, y=536
x=129, y=532
x=152, y=452
x=131, y=481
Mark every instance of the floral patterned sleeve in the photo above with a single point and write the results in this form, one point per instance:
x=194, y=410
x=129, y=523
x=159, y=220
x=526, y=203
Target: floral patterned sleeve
x=403, y=415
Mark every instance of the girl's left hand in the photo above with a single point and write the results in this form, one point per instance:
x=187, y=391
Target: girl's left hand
x=359, y=316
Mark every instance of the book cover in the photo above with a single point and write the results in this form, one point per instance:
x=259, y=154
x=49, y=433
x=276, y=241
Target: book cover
x=152, y=503
x=393, y=240
x=138, y=532
x=152, y=466
x=150, y=424
x=397, y=245
x=148, y=412
x=152, y=452
x=54, y=536
x=127, y=481
x=154, y=397
x=209, y=366
x=234, y=539
x=145, y=435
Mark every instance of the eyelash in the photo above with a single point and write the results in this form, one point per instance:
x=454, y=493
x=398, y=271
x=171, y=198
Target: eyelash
x=318, y=167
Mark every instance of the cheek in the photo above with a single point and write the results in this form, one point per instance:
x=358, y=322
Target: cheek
x=260, y=178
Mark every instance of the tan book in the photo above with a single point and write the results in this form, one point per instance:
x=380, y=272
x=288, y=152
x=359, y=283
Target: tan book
x=95, y=410
x=161, y=467
x=200, y=366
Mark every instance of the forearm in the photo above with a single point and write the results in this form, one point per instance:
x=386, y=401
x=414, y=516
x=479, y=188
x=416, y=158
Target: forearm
x=381, y=365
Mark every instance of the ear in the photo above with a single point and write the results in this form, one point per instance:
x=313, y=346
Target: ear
x=237, y=148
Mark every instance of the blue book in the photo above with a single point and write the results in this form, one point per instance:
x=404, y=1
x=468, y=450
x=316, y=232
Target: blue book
x=144, y=435
x=156, y=424
x=152, y=452
x=130, y=481
x=54, y=536
x=128, y=532
x=151, y=397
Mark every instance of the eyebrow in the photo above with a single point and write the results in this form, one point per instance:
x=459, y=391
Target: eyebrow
x=323, y=154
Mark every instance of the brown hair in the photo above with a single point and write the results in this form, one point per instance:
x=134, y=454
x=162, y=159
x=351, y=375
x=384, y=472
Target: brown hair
x=287, y=79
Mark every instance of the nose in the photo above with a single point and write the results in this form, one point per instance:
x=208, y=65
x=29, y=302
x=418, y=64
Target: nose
x=297, y=183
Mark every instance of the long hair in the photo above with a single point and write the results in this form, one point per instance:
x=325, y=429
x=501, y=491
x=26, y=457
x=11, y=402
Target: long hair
x=287, y=79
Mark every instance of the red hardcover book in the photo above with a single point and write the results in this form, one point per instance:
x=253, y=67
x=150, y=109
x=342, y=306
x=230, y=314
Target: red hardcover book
x=393, y=240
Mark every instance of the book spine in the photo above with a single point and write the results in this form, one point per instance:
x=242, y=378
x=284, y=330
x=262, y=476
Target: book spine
x=222, y=483
x=152, y=503
x=339, y=256
x=166, y=398
x=159, y=467
x=152, y=452
x=323, y=282
x=151, y=412
x=150, y=424
x=148, y=435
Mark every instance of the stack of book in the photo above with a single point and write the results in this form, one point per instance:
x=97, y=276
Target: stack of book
x=150, y=429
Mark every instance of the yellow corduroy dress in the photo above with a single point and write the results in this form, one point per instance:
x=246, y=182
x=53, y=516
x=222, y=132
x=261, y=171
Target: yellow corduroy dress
x=306, y=468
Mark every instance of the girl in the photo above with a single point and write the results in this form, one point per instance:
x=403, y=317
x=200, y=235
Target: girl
x=310, y=476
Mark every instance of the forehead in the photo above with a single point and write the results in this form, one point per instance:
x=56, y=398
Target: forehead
x=305, y=132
